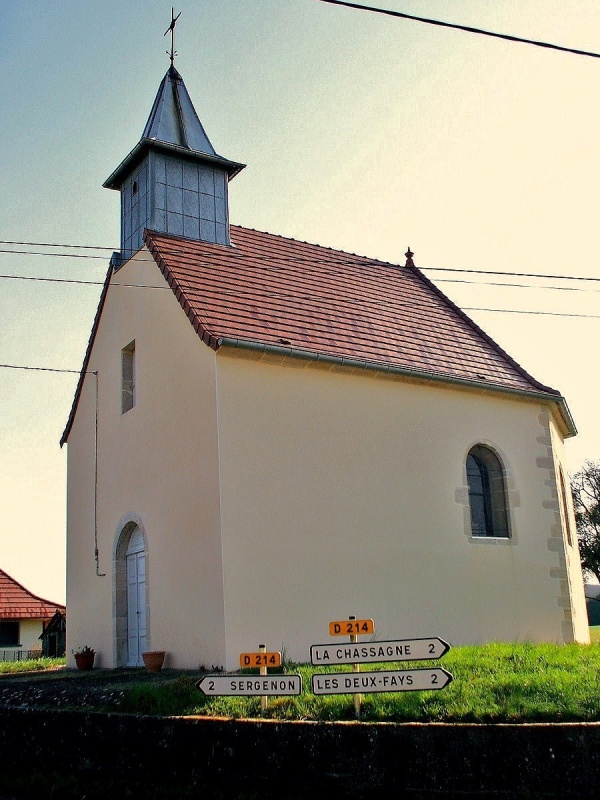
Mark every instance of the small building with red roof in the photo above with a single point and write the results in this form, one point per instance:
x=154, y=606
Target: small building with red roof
x=268, y=435
x=22, y=619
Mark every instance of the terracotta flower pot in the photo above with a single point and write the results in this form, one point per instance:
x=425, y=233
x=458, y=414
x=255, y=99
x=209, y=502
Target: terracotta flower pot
x=84, y=660
x=154, y=660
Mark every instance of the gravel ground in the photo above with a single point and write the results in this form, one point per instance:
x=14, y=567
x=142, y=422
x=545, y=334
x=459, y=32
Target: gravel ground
x=65, y=688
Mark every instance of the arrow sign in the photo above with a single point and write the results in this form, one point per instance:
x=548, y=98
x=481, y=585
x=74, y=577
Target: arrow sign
x=408, y=680
x=377, y=652
x=250, y=685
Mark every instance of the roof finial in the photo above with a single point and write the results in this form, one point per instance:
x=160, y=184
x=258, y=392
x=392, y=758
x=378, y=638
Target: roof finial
x=409, y=258
x=171, y=29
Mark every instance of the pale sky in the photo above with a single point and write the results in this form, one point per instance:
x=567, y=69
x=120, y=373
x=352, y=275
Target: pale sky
x=360, y=132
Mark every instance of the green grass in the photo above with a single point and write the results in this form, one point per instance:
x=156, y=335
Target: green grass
x=31, y=665
x=595, y=633
x=492, y=683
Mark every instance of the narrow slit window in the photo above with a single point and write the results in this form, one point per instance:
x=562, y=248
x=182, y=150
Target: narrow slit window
x=128, y=377
x=565, y=507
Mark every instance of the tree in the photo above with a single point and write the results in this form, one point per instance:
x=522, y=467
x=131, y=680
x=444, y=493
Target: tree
x=586, y=502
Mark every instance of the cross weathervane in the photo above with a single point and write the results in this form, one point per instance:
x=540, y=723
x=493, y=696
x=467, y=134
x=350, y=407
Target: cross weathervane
x=171, y=29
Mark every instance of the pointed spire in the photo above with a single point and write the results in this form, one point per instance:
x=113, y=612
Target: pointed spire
x=173, y=118
x=409, y=258
x=173, y=125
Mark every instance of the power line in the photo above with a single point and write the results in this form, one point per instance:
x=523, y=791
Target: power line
x=55, y=255
x=509, y=274
x=78, y=282
x=514, y=285
x=352, y=260
x=468, y=29
x=43, y=369
x=241, y=292
x=542, y=313
x=53, y=244
x=508, y=285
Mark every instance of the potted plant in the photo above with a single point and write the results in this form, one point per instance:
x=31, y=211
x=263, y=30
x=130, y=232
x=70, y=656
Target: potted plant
x=154, y=660
x=84, y=657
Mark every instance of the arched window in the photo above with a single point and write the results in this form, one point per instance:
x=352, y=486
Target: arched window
x=487, y=494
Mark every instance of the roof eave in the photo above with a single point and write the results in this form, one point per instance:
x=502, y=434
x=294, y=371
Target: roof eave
x=116, y=178
x=548, y=398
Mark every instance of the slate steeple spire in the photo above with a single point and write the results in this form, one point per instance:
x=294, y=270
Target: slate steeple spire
x=173, y=181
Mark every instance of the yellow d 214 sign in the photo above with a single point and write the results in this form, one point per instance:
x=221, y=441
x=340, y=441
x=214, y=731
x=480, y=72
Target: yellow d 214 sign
x=260, y=660
x=351, y=627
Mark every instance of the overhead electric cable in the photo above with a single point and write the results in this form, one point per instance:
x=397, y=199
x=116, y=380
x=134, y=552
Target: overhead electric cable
x=542, y=313
x=50, y=244
x=78, y=282
x=467, y=28
x=514, y=285
x=509, y=274
x=55, y=255
x=350, y=259
x=43, y=369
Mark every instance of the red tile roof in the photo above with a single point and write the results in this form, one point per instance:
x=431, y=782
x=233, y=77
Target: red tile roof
x=17, y=602
x=272, y=293
x=285, y=293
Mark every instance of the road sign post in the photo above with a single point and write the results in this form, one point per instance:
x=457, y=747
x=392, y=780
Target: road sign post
x=356, y=668
x=352, y=627
x=262, y=685
x=356, y=653
x=264, y=700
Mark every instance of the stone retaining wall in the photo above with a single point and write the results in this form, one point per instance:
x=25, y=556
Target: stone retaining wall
x=222, y=758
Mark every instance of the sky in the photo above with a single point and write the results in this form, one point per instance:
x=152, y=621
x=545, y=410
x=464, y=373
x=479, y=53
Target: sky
x=360, y=131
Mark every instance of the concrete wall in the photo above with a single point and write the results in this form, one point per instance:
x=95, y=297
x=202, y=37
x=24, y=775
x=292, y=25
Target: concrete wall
x=157, y=466
x=94, y=754
x=347, y=494
x=29, y=633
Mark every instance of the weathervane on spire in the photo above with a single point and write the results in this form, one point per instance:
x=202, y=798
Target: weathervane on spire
x=171, y=29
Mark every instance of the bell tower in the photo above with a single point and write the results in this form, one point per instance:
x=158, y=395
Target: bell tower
x=173, y=181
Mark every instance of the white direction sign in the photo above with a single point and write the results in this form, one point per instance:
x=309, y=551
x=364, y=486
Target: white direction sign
x=250, y=685
x=376, y=652
x=408, y=680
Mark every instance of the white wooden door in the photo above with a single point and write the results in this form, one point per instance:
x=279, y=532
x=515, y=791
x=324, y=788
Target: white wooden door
x=136, y=599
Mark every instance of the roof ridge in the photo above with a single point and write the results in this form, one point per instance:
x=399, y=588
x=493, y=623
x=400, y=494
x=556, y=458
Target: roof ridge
x=315, y=244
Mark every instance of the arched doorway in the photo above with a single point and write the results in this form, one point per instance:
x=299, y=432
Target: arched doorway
x=131, y=597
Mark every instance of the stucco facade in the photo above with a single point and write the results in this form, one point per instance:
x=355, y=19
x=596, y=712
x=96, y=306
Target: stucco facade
x=167, y=482
x=276, y=494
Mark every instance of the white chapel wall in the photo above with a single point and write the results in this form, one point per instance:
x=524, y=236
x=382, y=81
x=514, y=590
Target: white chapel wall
x=345, y=494
x=157, y=462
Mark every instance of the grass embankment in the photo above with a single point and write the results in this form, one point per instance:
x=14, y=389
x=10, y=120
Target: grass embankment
x=31, y=665
x=492, y=683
